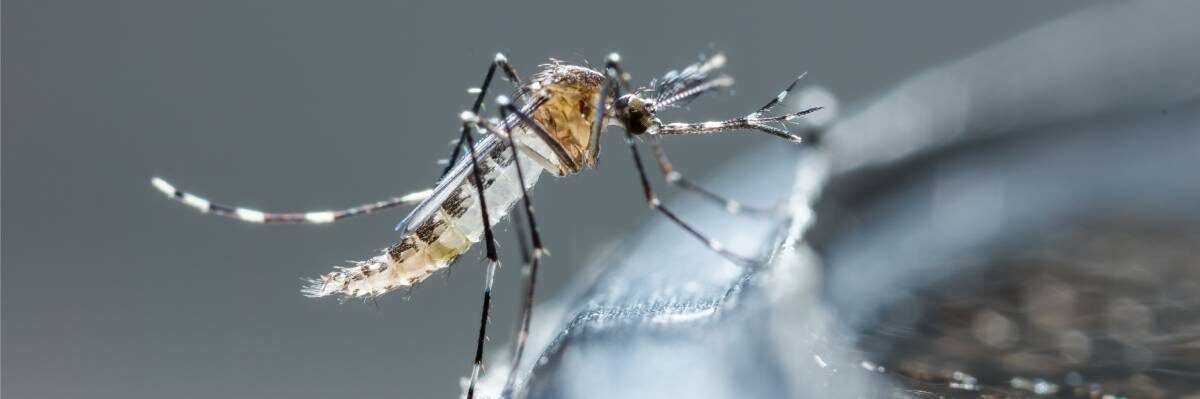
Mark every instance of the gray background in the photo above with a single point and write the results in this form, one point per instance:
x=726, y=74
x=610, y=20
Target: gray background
x=111, y=291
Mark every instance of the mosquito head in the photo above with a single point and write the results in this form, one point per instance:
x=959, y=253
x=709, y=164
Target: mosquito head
x=633, y=112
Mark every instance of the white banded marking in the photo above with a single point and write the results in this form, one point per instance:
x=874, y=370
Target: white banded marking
x=251, y=215
x=196, y=202
x=716, y=61
x=163, y=186
x=319, y=217
x=417, y=196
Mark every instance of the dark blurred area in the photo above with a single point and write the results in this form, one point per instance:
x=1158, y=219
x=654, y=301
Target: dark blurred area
x=1060, y=264
x=1108, y=307
x=1032, y=233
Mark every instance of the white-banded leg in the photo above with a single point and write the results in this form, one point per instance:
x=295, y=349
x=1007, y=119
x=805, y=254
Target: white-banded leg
x=256, y=216
x=680, y=87
x=612, y=73
x=493, y=260
x=613, y=63
x=654, y=203
x=511, y=73
x=753, y=121
x=677, y=179
x=531, y=258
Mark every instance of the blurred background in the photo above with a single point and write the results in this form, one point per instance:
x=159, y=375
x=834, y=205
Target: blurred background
x=109, y=290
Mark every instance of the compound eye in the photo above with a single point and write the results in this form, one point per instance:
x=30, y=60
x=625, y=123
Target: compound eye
x=633, y=114
x=622, y=102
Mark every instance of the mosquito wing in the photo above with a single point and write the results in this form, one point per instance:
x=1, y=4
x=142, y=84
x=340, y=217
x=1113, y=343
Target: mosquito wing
x=456, y=194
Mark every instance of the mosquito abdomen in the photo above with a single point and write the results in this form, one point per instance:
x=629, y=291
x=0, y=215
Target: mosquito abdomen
x=439, y=238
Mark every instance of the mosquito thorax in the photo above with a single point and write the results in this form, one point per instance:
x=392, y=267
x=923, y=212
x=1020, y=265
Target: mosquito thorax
x=633, y=112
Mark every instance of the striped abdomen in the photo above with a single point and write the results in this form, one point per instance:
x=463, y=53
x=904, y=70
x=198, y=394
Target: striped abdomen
x=439, y=229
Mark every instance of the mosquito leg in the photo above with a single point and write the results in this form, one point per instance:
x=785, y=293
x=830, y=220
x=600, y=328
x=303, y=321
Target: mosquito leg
x=612, y=73
x=493, y=258
x=531, y=261
x=655, y=204
x=773, y=125
x=613, y=64
x=511, y=73
x=675, y=178
x=256, y=216
x=754, y=121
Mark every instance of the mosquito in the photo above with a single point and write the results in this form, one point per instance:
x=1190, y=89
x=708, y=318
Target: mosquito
x=553, y=123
